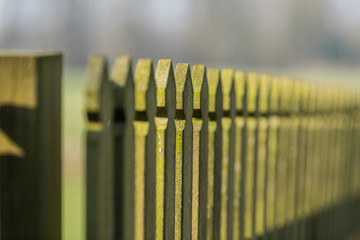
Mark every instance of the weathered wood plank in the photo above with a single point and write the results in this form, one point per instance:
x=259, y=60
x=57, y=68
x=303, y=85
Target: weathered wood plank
x=252, y=84
x=300, y=158
x=145, y=151
x=272, y=157
x=214, y=84
x=262, y=109
x=282, y=158
x=310, y=128
x=99, y=107
x=204, y=152
x=124, y=168
x=296, y=167
x=165, y=165
x=183, y=157
x=227, y=76
x=217, y=158
x=239, y=84
x=200, y=145
x=292, y=169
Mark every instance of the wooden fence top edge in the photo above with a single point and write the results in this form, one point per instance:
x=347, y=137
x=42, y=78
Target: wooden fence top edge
x=29, y=54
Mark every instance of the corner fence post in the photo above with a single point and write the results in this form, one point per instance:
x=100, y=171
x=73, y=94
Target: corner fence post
x=30, y=145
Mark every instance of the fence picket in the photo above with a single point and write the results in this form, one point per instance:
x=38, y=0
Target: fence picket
x=252, y=88
x=124, y=168
x=99, y=136
x=200, y=142
x=239, y=84
x=261, y=148
x=214, y=84
x=273, y=126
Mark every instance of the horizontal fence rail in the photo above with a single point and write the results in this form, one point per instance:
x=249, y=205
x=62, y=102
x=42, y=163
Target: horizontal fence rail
x=181, y=153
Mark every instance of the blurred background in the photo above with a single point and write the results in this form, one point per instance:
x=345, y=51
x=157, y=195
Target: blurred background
x=310, y=39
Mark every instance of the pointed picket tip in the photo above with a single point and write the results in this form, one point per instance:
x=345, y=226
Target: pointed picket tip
x=227, y=78
x=295, y=101
x=239, y=89
x=198, y=77
x=182, y=74
x=121, y=70
x=95, y=79
x=213, y=78
x=286, y=92
x=164, y=71
x=275, y=94
x=264, y=92
x=252, y=84
x=143, y=73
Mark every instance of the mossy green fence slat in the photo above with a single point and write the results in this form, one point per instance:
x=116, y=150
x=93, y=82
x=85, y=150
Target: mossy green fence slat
x=123, y=166
x=239, y=83
x=213, y=78
x=183, y=151
x=99, y=107
x=196, y=153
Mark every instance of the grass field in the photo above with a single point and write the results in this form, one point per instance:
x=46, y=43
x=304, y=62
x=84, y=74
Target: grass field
x=73, y=203
x=73, y=129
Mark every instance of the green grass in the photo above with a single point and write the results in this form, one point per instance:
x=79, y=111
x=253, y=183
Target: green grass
x=73, y=201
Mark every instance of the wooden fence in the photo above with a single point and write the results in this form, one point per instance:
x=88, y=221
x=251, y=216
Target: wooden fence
x=218, y=154
x=30, y=146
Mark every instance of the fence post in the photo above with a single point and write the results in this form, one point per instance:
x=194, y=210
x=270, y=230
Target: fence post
x=30, y=145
